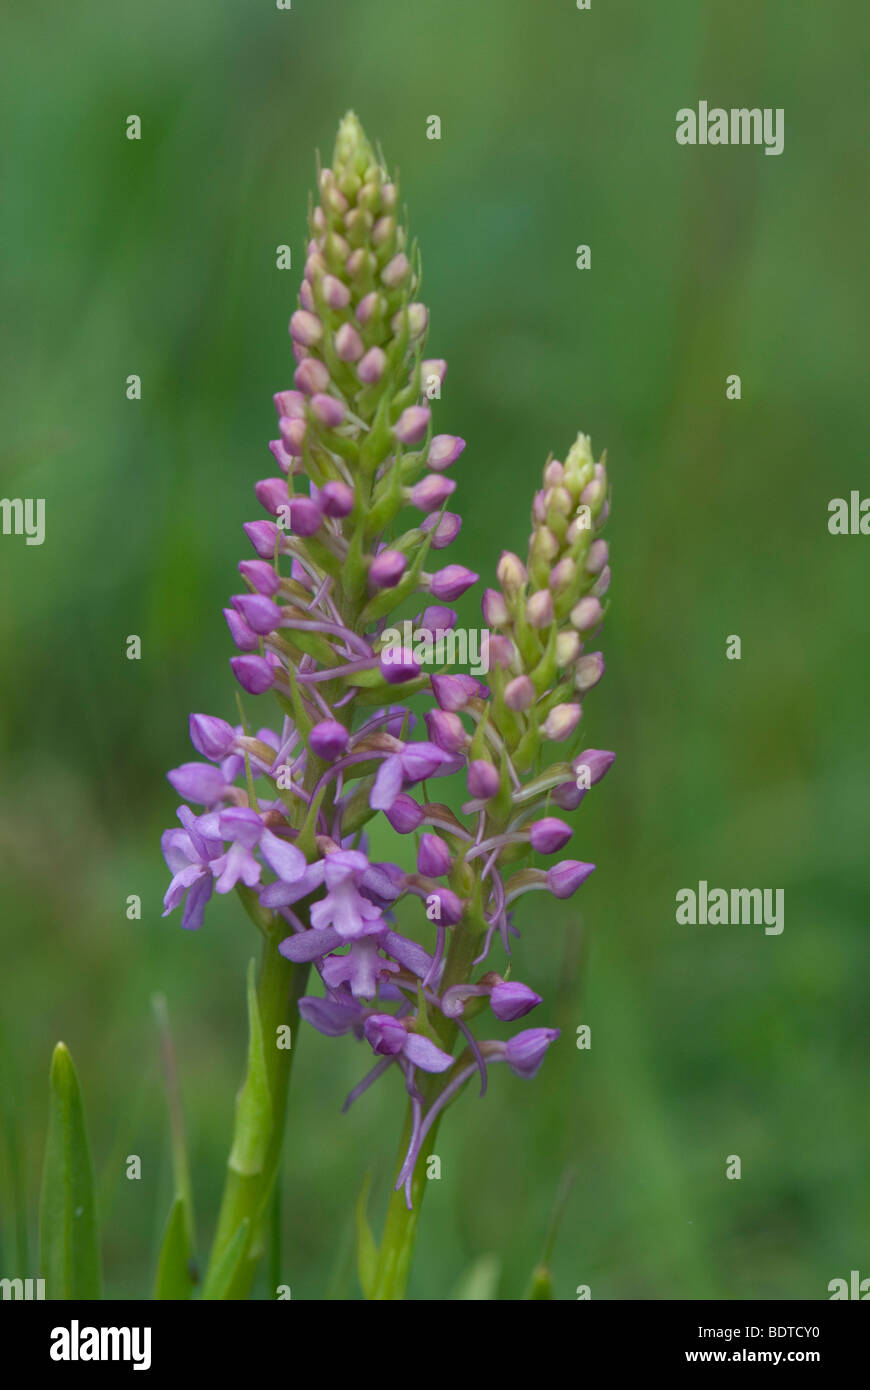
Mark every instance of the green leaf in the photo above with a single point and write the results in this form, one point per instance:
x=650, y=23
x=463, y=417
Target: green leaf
x=254, y=1105
x=176, y=1264
x=69, y=1253
x=221, y=1279
x=366, y=1250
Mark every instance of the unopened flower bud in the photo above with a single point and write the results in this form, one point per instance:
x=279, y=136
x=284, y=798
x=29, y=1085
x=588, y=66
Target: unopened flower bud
x=412, y=424
x=335, y=292
x=387, y=569
x=336, y=499
x=259, y=612
x=368, y=306
x=446, y=730
x=261, y=576
x=510, y=999
x=405, y=815
x=444, y=449
x=433, y=857
x=328, y=740
x=565, y=877
x=525, y=1052
x=494, y=608
x=444, y=528
x=305, y=516
x=328, y=410
x=588, y=671
x=567, y=647
x=271, y=493
x=254, y=673
x=561, y=722
x=418, y=320
x=454, y=691
x=563, y=575
x=519, y=694
x=483, y=779
x=370, y=368
x=511, y=573
x=348, y=344
x=431, y=492
x=244, y=637
x=586, y=614
x=596, y=559
x=396, y=270
x=451, y=582
x=210, y=736
x=305, y=328
x=293, y=433
x=264, y=537
x=502, y=651
x=539, y=609
x=549, y=835
x=592, y=765
x=399, y=666
x=311, y=376
x=198, y=782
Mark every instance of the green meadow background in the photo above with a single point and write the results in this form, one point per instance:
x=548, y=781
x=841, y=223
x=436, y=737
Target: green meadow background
x=158, y=258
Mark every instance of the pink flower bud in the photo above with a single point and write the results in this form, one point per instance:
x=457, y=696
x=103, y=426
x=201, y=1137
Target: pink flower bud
x=348, y=344
x=444, y=449
x=511, y=573
x=371, y=367
x=451, y=582
x=305, y=328
x=405, y=815
x=596, y=558
x=261, y=576
x=336, y=499
x=483, y=779
x=519, y=694
x=588, y=671
x=311, y=376
x=212, y=737
x=444, y=528
x=245, y=639
x=412, y=424
x=328, y=739
x=433, y=857
x=565, y=877
x=561, y=722
x=431, y=492
x=446, y=730
x=264, y=537
x=336, y=294
x=328, y=410
x=494, y=608
x=396, y=270
x=510, y=1000
x=259, y=612
x=368, y=307
x=305, y=516
x=290, y=403
x=253, y=673
x=387, y=569
x=271, y=493
x=549, y=835
x=586, y=614
x=539, y=609
x=293, y=433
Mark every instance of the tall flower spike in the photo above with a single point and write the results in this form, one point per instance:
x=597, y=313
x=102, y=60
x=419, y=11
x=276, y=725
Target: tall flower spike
x=352, y=521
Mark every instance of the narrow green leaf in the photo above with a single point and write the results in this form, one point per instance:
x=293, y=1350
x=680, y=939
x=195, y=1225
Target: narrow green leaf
x=175, y=1267
x=221, y=1278
x=69, y=1253
x=254, y=1105
x=366, y=1250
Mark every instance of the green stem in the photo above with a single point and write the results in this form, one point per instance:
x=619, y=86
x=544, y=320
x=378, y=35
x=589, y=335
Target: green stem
x=246, y=1196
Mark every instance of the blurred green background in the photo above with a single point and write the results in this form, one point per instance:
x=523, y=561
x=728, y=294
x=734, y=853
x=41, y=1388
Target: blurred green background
x=158, y=258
